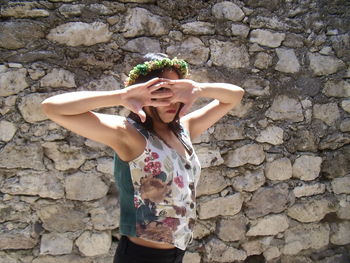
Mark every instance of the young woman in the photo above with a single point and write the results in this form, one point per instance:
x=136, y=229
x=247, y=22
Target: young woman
x=156, y=168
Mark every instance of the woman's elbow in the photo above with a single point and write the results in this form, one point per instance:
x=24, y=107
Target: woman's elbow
x=47, y=107
x=240, y=93
x=237, y=98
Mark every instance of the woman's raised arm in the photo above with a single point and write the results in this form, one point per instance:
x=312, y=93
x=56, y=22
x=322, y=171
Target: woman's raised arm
x=226, y=96
x=74, y=111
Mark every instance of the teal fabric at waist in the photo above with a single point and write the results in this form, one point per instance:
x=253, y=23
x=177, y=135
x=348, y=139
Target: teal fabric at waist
x=125, y=187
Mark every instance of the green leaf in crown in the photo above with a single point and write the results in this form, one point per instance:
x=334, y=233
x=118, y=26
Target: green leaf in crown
x=142, y=68
x=149, y=66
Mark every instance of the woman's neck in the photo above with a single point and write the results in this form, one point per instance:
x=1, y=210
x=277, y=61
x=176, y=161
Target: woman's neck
x=161, y=128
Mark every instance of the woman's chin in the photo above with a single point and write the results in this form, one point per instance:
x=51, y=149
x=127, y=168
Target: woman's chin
x=167, y=119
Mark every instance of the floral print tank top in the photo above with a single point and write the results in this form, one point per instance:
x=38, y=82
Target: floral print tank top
x=157, y=191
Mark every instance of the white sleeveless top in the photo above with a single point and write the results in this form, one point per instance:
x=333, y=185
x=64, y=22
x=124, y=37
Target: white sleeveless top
x=164, y=184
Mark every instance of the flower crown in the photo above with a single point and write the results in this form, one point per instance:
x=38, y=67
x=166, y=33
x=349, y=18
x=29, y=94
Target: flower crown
x=143, y=69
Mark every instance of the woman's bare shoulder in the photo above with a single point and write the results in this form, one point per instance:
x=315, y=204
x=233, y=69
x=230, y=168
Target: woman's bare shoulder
x=131, y=142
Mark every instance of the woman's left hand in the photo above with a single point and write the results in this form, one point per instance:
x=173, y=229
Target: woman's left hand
x=185, y=91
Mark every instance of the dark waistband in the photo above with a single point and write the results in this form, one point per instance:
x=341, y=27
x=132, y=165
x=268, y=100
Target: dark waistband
x=128, y=245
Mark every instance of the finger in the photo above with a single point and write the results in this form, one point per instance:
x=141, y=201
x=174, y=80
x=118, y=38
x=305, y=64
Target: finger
x=174, y=81
x=159, y=103
x=136, y=108
x=162, y=89
x=162, y=94
x=154, y=81
x=142, y=115
x=159, y=85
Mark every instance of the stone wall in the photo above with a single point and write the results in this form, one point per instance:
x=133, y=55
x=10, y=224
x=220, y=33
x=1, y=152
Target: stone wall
x=276, y=170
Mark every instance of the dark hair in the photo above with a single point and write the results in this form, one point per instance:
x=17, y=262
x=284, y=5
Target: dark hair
x=148, y=124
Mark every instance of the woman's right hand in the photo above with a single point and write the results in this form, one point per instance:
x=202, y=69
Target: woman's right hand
x=137, y=96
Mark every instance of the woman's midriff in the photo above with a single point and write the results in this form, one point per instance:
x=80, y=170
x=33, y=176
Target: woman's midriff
x=146, y=243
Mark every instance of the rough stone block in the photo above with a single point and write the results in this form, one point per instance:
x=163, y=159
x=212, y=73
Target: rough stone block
x=211, y=182
x=272, y=135
x=218, y=251
x=268, y=200
x=266, y=38
x=312, y=210
x=62, y=217
x=30, y=107
x=22, y=156
x=328, y=113
x=288, y=62
x=285, y=108
x=198, y=28
x=208, y=156
x=7, y=130
x=85, y=187
x=228, y=54
x=250, y=181
x=141, y=22
x=341, y=185
x=280, y=169
x=64, y=156
x=251, y=153
x=227, y=10
x=55, y=244
x=269, y=225
x=13, y=81
x=15, y=35
x=324, y=65
x=93, y=244
x=229, y=205
x=232, y=229
x=58, y=78
x=192, y=49
x=79, y=33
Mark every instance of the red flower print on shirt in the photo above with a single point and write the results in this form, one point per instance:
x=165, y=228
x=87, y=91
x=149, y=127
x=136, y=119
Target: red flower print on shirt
x=154, y=155
x=154, y=168
x=156, y=171
x=171, y=222
x=179, y=181
x=137, y=202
